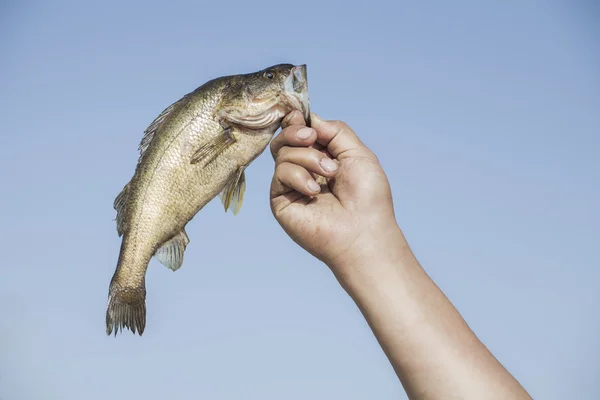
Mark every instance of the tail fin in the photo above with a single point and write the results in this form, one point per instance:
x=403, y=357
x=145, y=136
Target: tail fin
x=126, y=309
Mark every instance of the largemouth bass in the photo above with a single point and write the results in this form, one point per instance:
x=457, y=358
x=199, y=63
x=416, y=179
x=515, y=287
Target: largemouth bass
x=196, y=149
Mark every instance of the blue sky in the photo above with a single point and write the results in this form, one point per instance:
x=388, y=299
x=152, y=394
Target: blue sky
x=485, y=117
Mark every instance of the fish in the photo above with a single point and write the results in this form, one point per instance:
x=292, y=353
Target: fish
x=196, y=149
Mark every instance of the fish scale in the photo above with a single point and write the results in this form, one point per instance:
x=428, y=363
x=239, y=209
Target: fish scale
x=196, y=149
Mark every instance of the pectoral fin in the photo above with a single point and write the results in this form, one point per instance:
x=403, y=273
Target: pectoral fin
x=211, y=149
x=233, y=194
x=170, y=254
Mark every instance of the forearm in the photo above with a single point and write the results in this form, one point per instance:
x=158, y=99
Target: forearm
x=433, y=351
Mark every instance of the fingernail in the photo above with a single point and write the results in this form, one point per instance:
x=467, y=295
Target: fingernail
x=328, y=164
x=304, y=133
x=288, y=117
x=312, y=185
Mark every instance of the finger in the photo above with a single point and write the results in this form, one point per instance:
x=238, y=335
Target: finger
x=294, y=135
x=290, y=177
x=311, y=159
x=337, y=137
x=293, y=118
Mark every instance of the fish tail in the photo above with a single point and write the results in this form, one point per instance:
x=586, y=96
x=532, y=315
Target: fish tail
x=126, y=309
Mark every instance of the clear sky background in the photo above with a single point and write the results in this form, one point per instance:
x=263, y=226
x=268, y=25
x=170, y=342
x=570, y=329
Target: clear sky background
x=486, y=118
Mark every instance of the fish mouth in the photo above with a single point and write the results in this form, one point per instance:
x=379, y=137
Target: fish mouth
x=296, y=89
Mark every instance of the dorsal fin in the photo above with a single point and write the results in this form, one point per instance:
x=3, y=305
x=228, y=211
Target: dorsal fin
x=156, y=124
x=119, y=205
x=121, y=199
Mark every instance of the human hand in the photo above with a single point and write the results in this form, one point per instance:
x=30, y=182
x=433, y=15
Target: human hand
x=350, y=215
x=348, y=222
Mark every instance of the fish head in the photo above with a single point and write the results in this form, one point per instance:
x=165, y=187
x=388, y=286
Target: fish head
x=263, y=98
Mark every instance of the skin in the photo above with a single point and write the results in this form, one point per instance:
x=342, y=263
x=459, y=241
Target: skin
x=349, y=224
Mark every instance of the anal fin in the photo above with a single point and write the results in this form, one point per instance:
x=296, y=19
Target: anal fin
x=170, y=254
x=233, y=194
x=211, y=149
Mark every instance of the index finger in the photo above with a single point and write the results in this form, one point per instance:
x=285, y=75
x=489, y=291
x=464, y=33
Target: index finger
x=295, y=136
x=337, y=137
x=293, y=118
x=290, y=125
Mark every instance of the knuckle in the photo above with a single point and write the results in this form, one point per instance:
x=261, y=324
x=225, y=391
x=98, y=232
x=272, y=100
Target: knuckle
x=279, y=170
x=283, y=153
x=274, y=145
x=339, y=125
x=298, y=174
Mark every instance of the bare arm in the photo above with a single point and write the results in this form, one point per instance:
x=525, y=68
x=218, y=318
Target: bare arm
x=349, y=224
x=433, y=351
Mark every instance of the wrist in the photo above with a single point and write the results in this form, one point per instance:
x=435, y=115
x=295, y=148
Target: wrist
x=376, y=257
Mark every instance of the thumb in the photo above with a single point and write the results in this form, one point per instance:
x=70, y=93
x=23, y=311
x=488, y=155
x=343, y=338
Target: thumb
x=337, y=137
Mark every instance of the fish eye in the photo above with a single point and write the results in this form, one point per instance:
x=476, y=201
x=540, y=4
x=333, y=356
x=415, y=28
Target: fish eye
x=268, y=75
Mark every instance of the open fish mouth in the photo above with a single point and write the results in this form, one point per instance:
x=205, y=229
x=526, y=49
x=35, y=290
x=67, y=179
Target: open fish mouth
x=296, y=88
